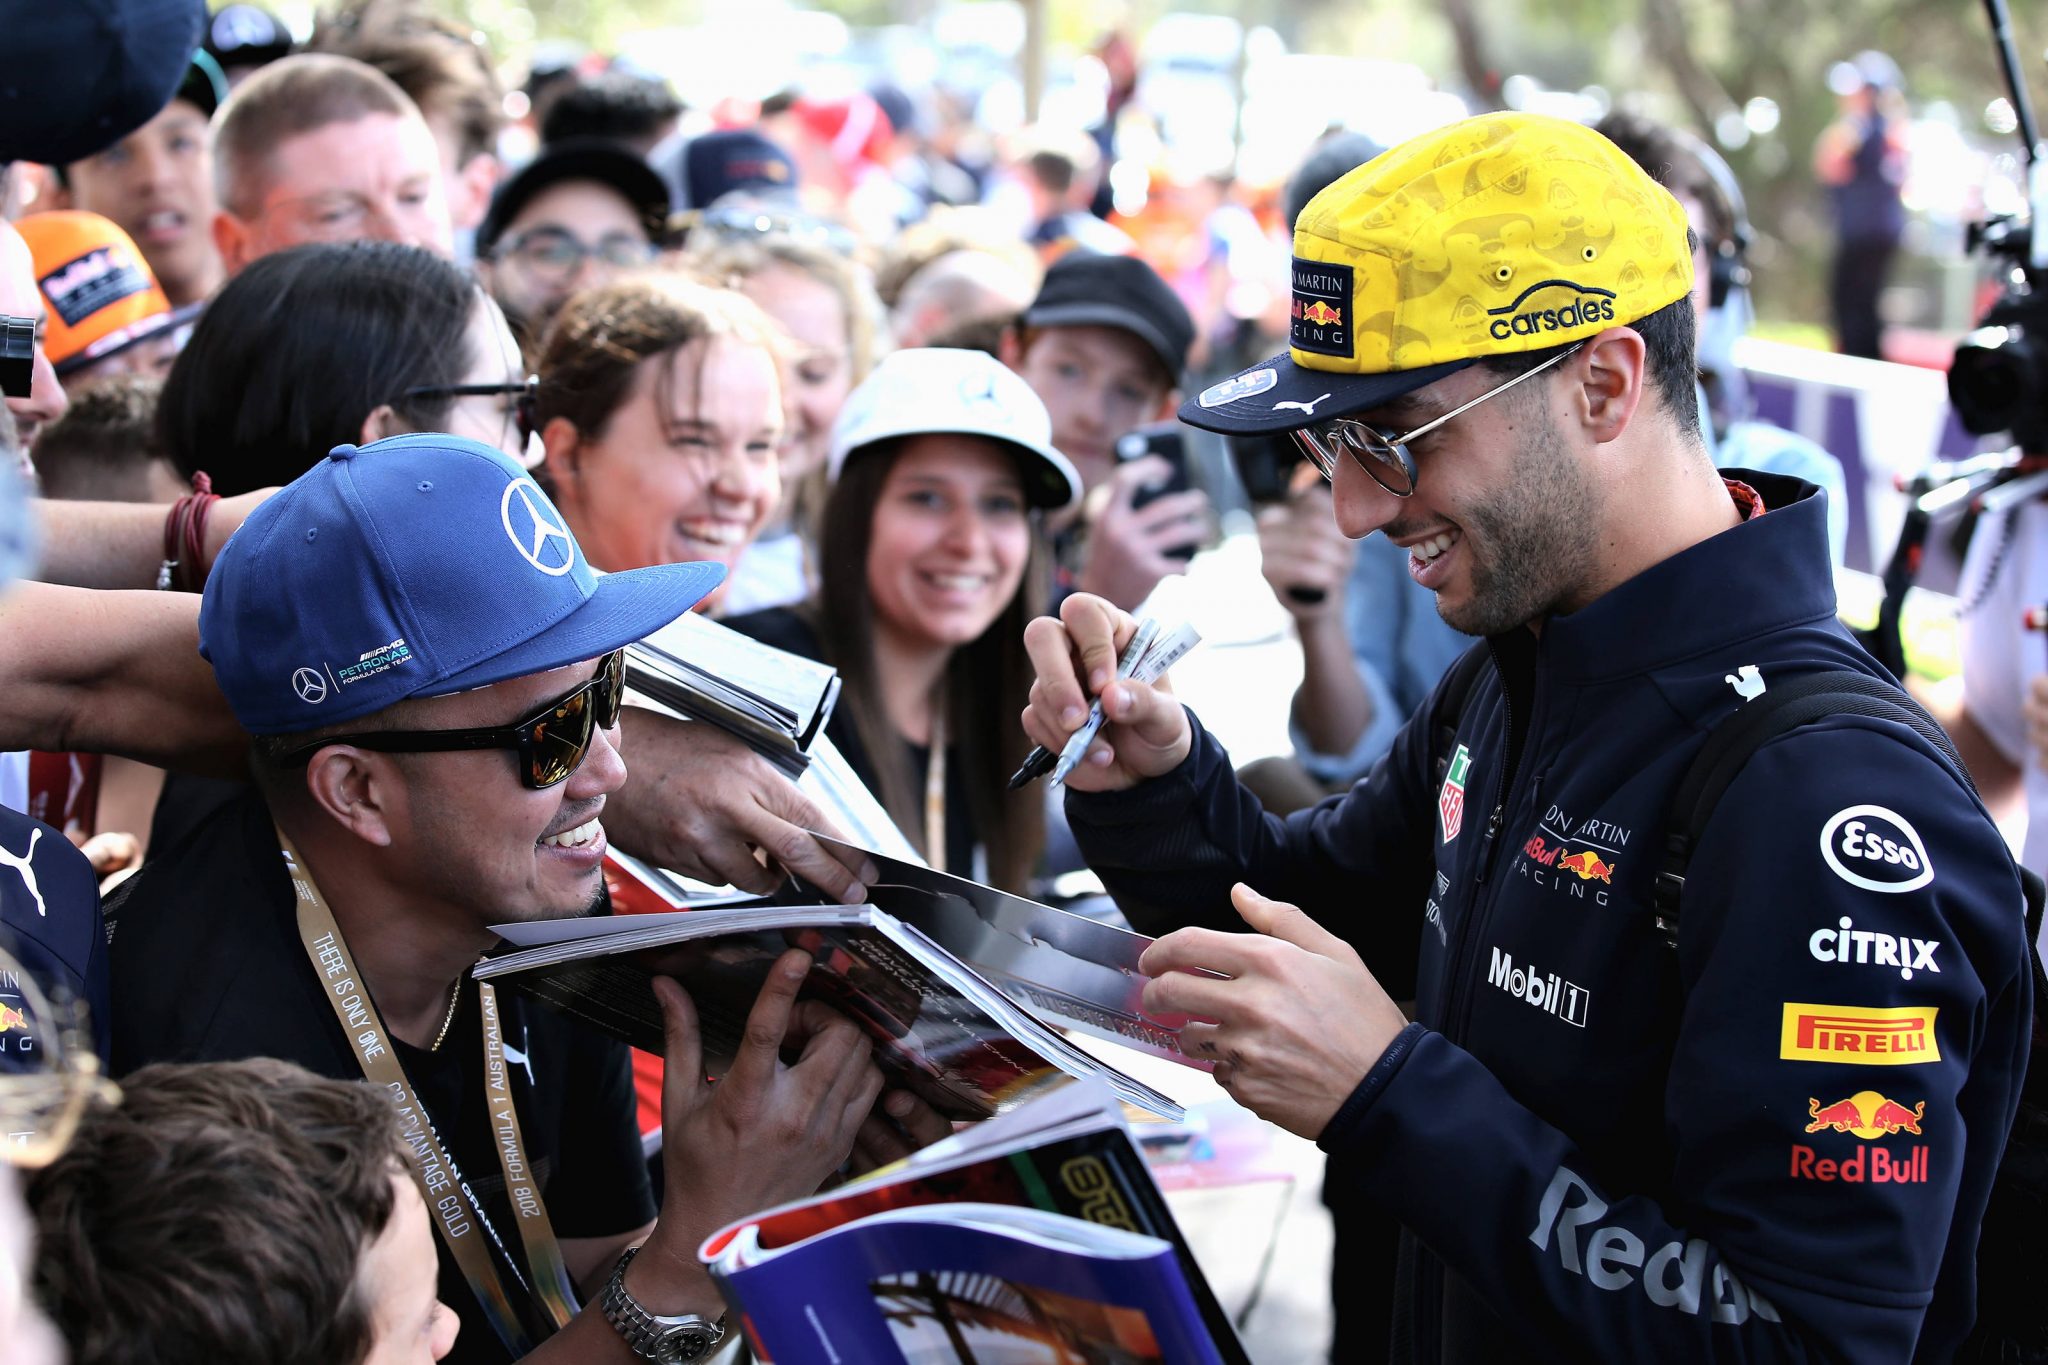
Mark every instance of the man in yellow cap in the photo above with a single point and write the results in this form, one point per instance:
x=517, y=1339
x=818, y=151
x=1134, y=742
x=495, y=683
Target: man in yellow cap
x=106, y=313
x=1770, y=1137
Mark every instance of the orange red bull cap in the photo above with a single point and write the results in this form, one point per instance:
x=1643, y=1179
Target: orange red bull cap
x=1492, y=236
x=99, y=291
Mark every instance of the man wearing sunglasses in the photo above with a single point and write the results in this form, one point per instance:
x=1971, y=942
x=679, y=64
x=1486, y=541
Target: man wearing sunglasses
x=1603, y=1145
x=432, y=675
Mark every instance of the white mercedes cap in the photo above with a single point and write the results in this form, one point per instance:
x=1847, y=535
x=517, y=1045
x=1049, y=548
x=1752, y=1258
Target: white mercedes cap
x=931, y=389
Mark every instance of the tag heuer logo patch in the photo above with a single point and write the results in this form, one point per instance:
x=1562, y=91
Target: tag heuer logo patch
x=1450, y=802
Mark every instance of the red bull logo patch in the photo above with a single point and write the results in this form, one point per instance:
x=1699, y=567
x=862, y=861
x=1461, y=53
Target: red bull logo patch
x=1588, y=865
x=1899, y=1036
x=1322, y=296
x=1867, y=1115
x=12, y=1019
x=1450, y=802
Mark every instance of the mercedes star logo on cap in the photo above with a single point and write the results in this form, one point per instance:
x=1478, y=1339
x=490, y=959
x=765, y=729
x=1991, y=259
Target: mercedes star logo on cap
x=311, y=687
x=532, y=533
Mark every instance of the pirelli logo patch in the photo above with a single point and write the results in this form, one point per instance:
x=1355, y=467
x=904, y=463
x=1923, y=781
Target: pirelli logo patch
x=1855, y=1036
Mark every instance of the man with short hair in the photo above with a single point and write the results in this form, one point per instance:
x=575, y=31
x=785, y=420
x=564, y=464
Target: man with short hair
x=433, y=676
x=1771, y=1136
x=1103, y=345
x=574, y=217
x=237, y=1212
x=446, y=70
x=318, y=148
x=156, y=184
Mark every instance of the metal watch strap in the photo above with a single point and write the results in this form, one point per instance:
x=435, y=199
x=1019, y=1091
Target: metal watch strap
x=666, y=1341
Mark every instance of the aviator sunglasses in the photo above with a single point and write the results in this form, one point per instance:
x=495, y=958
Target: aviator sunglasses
x=550, y=743
x=1382, y=455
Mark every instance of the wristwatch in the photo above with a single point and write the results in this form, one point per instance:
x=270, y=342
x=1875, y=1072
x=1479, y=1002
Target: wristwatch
x=665, y=1341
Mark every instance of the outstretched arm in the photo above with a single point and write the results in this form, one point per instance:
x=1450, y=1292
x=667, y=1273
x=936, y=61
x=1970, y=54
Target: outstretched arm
x=113, y=672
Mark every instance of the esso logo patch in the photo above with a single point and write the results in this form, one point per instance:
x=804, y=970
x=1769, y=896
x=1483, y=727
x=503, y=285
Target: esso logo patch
x=1874, y=848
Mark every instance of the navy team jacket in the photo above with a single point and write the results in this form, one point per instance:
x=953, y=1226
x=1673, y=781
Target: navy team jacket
x=1774, y=1143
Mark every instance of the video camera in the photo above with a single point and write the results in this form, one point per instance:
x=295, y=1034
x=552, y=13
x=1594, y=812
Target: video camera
x=1999, y=380
x=17, y=355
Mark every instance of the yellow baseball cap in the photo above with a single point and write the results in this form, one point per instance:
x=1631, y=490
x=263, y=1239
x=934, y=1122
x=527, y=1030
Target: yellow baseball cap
x=102, y=297
x=1491, y=236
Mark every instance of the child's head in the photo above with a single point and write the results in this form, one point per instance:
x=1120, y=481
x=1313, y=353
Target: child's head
x=105, y=448
x=1103, y=346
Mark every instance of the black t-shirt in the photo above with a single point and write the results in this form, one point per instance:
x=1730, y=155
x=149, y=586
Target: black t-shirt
x=786, y=629
x=208, y=966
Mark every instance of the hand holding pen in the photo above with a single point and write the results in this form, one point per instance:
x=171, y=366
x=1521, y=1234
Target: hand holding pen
x=1076, y=656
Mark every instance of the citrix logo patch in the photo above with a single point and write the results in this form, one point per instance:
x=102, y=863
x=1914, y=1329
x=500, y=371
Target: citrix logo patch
x=1591, y=305
x=1850, y=944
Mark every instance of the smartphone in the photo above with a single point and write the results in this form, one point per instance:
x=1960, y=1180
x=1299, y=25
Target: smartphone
x=1169, y=442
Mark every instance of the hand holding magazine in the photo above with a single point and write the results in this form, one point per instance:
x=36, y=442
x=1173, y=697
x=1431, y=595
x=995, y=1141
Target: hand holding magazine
x=1038, y=1236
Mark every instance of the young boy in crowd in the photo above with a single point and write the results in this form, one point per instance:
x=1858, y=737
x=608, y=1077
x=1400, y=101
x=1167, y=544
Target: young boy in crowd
x=1103, y=346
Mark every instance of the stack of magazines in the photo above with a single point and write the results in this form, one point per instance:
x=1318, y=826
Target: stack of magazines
x=1035, y=1237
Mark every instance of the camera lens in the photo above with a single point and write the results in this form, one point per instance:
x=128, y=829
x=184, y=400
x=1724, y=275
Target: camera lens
x=17, y=355
x=1996, y=377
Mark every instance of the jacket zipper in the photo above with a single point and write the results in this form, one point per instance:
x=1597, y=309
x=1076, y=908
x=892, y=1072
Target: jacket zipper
x=1457, y=999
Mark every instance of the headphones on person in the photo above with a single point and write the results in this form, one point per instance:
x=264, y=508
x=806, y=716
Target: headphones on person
x=1727, y=259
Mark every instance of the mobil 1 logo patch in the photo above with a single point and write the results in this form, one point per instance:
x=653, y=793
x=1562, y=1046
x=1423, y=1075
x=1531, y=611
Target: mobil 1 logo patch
x=1320, y=319
x=1876, y=849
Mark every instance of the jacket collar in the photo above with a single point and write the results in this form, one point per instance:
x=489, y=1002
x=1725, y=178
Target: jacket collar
x=1767, y=573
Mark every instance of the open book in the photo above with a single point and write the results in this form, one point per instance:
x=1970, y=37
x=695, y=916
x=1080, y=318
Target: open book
x=1033, y=1232
x=942, y=1030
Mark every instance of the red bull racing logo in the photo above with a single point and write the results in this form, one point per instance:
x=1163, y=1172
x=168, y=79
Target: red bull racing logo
x=12, y=1019
x=1867, y=1115
x=1588, y=865
x=1320, y=313
x=1450, y=802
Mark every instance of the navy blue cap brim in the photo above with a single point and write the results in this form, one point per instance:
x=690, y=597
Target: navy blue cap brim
x=1278, y=395
x=622, y=608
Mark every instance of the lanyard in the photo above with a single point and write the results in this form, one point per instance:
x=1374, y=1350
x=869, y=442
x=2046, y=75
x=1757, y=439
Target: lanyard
x=456, y=1211
x=935, y=793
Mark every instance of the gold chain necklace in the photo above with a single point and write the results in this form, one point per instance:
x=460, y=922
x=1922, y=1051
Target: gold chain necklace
x=454, y=999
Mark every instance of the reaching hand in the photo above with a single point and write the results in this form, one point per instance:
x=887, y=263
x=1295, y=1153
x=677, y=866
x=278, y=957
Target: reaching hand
x=1303, y=555
x=1146, y=732
x=1128, y=546
x=769, y=1131
x=1297, y=1024
x=700, y=802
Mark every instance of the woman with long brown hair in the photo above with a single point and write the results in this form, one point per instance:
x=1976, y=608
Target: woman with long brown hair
x=932, y=560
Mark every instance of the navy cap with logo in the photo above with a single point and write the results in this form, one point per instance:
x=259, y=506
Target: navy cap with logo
x=1082, y=289
x=83, y=74
x=735, y=161
x=416, y=566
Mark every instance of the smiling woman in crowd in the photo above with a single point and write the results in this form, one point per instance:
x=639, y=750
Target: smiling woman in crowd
x=931, y=558
x=660, y=410
x=829, y=309
x=329, y=345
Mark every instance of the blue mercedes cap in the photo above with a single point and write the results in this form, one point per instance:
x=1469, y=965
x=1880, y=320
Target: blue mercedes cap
x=416, y=566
